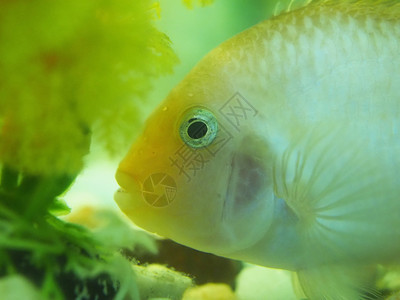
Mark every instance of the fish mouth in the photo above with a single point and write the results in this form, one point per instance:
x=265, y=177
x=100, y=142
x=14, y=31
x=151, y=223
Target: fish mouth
x=122, y=196
x=126, y=196
x=121, y=191
x=127, y=183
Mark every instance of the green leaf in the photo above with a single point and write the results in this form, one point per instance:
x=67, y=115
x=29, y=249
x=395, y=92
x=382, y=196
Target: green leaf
x=59, y=208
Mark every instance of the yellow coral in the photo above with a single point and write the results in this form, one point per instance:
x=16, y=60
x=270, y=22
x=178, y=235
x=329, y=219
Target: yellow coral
x=210, y=291
x=70, y=68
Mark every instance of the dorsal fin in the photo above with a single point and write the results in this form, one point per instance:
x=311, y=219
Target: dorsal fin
x=389, y=9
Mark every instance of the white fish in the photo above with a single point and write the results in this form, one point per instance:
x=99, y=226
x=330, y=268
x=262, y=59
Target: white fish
x=282, y=148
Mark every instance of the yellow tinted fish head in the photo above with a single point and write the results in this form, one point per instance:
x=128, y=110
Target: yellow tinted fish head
x=179, y=178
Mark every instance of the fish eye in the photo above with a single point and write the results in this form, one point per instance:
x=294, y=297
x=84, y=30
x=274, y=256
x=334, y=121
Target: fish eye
x=198, y=128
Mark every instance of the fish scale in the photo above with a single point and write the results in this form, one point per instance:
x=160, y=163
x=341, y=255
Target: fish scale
x=326, y=61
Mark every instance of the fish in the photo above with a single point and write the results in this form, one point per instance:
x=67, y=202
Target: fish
x=281, y=148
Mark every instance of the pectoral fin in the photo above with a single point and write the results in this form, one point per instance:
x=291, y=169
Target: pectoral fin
x=338, y=283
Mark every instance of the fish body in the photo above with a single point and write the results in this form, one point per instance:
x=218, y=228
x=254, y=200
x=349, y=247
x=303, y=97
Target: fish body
x=282, y=148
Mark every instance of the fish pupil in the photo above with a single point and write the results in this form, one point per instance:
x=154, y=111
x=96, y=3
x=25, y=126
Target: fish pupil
x=197, y=129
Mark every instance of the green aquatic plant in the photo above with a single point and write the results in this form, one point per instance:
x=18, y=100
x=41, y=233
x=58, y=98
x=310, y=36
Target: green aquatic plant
x=70, y=72
x=70, y=69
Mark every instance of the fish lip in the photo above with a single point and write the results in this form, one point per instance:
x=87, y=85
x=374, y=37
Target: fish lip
x=127, y=182
x=124, y=201
x=128, y=195
x=121, y=190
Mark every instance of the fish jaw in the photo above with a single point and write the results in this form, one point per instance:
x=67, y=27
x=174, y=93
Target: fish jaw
x=129, y=186
x=129, y=199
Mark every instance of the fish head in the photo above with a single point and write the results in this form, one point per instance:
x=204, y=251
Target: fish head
x=193, y=175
